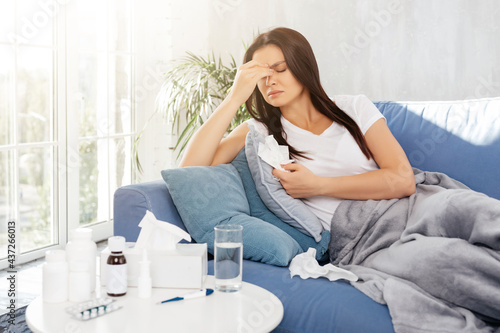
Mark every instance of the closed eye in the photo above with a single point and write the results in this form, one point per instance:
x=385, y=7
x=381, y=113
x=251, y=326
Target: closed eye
x=279, y=67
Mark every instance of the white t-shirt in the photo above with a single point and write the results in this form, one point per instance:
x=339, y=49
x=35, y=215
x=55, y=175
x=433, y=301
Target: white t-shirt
x=334, y=152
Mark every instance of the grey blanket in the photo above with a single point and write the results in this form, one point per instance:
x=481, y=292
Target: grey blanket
x=433, y=257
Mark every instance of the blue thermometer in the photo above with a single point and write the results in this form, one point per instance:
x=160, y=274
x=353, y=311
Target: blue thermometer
x=196, y=294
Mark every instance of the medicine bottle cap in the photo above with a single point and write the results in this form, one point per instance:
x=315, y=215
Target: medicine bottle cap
x=81, y=234
x=116, y=243
x=55, y=256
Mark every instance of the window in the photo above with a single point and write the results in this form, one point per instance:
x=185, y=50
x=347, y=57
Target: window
x=99, y=67
x=66, y=118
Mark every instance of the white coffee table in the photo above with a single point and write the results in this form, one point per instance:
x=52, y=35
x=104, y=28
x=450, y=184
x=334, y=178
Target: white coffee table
x=252, y=309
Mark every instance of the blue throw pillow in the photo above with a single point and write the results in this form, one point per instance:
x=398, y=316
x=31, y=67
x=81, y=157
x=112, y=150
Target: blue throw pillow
x=210, y=196
x=290, y=210
x=258, y=209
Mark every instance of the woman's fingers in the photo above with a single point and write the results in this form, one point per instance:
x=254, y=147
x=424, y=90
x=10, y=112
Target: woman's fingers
x=252, y=63
x=297, y=180
x=256, y=67
x=255, y=70
x=247, y=77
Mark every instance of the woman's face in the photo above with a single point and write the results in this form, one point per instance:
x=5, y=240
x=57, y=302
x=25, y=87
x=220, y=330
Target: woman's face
x=281, y=88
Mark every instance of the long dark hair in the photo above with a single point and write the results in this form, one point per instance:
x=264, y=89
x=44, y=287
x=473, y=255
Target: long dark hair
x=300, y=60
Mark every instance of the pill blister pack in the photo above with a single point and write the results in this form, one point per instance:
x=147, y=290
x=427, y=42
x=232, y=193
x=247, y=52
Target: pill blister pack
x=93, y=308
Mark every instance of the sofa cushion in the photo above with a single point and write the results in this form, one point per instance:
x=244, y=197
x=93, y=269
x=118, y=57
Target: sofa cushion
x=210, y=196
x=290, y=210
x=259, y=210
x=458, y=138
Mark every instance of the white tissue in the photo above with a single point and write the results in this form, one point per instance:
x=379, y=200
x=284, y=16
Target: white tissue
x=159, y=235
x=273, y=154
x=306, y=266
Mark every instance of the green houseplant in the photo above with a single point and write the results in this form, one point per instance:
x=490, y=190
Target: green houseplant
x=192, y=88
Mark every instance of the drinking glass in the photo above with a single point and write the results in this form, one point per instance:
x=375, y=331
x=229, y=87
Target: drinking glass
x=228, y=257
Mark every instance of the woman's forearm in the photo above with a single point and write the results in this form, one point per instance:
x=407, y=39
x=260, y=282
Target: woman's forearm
x=205, y=145
x=202, y=147
x=376, y=185
x=396, y=181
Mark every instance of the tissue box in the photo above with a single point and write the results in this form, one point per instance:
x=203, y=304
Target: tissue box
x=184, y=267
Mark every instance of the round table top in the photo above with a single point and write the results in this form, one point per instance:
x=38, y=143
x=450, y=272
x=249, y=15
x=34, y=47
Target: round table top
x=252, y=309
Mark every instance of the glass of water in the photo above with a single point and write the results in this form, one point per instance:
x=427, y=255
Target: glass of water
x=228, y=257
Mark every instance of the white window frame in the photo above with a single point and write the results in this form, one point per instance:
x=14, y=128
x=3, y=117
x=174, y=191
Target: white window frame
x=65, y=174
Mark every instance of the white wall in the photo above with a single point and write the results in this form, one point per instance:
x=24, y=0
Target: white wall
x=165, y=30
x=386, y=49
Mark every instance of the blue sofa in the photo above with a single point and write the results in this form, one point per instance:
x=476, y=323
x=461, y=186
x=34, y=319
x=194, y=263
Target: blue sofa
x=459, y=138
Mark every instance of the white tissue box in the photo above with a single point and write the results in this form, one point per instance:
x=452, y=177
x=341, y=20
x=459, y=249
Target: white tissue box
x=184, y=267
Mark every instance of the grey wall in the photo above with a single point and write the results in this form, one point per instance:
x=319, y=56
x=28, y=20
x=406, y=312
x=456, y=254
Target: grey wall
x=386, y=49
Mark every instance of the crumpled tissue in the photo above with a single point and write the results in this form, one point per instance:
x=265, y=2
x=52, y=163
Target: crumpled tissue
x=159, y=235
x=273, y=154
x=306, y=266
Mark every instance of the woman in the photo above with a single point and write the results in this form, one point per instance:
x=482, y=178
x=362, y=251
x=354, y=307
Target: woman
x=344, y=150
x=280, y=84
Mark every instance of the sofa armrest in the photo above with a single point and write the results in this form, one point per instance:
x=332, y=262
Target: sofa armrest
x=132, y=201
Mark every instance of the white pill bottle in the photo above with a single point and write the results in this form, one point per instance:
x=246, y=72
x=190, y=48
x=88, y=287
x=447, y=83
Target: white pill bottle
x=81, y=248
x=55, y=277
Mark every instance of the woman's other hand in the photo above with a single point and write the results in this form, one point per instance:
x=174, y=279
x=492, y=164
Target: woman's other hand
x=298, y=181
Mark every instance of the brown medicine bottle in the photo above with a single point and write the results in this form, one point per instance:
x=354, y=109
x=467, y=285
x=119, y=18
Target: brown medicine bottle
x=116, y=267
